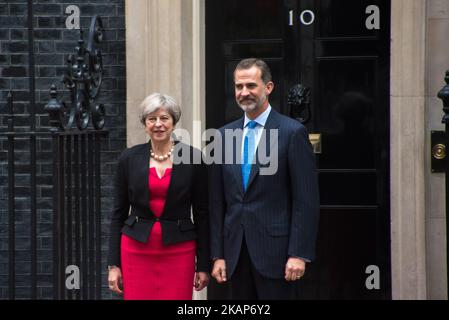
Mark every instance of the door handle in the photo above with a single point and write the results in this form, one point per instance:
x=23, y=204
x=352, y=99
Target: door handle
x=299, y=102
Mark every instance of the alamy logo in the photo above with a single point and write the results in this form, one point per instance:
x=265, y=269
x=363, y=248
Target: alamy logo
x=73, y=279
x=373, y=280
x=226, y=148
x=373, y=20
x=73, y=20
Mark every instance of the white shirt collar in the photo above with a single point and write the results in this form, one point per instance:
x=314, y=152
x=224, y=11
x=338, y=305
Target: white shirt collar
x=261, y=119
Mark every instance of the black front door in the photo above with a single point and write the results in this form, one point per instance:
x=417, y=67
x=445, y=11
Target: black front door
x=326, y=46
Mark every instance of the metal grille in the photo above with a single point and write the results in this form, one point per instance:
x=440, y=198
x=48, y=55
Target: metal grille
x=68, y=174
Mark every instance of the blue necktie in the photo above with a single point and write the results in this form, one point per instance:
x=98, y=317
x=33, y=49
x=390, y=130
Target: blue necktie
x=248, y=152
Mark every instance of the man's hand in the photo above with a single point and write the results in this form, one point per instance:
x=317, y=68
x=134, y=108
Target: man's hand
x=219, y=270
x=294, y=269
x=201, y=280
x=115, y=280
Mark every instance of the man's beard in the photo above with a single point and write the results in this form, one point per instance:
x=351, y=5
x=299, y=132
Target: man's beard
x=254, y=105
x=248, y=107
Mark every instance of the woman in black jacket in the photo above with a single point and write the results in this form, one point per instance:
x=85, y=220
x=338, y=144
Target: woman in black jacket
x=156, y=251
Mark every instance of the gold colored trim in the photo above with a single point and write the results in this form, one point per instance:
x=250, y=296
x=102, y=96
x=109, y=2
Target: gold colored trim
x=439, y=151
x=315, y=140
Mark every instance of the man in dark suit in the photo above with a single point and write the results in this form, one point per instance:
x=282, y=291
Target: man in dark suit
x=263, y=224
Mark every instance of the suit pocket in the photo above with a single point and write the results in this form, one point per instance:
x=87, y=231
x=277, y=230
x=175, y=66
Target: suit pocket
x=278, y=230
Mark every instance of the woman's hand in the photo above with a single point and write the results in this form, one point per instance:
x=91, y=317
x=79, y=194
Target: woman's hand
x=201, y=280
x=115, y=280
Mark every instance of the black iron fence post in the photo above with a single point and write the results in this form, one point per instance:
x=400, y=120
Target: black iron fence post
x=56, y=243
x=11, y=202
x=97, y=148
x=444, y=95
x=32, y=138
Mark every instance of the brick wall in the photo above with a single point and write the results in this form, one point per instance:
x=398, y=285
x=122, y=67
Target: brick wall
x=53, y=43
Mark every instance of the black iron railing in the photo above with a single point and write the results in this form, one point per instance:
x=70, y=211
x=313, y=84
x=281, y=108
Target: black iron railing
x=77, y=211
x=75, y=183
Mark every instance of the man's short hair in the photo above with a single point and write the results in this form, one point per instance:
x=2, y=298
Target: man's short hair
x=246, y=64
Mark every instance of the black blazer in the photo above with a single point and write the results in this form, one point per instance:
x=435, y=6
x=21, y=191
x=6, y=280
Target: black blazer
x=278, y=214
x=131, y=214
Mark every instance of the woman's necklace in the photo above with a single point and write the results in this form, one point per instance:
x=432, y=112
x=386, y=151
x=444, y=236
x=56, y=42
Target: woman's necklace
x=162, y=157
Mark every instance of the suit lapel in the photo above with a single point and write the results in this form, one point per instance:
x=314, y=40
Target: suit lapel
x=175, y=176
x=272, y=123
x=237, y=156
x=143, y=166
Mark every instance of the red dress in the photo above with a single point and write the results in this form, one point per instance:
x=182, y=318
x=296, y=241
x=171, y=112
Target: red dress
x=152, y=270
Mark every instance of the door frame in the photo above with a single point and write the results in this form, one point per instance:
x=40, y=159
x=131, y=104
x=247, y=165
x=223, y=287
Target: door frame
x=407, y=126
x=407, y=149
